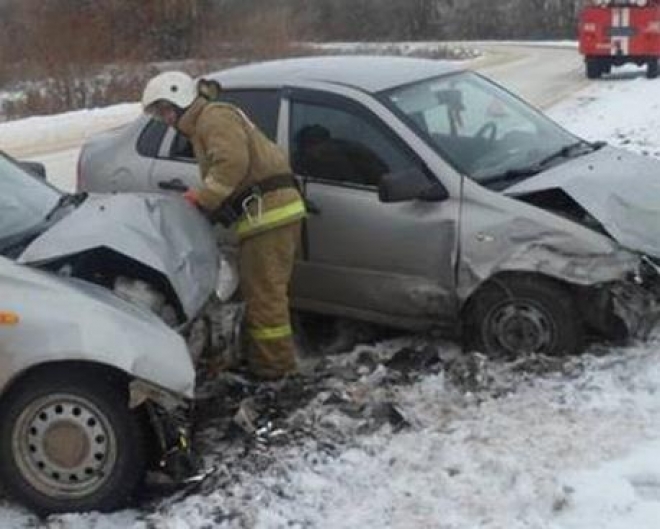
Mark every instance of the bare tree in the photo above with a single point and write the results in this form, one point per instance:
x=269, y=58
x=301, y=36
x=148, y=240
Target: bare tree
x=72, y=45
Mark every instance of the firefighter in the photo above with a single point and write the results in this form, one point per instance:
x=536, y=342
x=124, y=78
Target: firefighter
x=246, y=182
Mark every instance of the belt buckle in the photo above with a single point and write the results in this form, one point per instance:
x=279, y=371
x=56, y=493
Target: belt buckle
x=255, y=196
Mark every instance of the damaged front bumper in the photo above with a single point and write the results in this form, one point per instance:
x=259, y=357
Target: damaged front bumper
x=636, y=302
x=216, y=334
x=628, y=308
x=170, y=418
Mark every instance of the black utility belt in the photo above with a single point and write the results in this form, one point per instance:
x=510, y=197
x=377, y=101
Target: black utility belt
x=235, y=206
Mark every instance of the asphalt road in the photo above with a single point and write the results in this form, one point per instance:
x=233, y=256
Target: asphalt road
x=541, y=75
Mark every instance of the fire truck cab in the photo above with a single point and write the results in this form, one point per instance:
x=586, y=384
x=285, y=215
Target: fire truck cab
x=615, y=32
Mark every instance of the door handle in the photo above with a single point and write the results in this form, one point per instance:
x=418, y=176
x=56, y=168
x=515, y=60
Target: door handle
x=176, y=184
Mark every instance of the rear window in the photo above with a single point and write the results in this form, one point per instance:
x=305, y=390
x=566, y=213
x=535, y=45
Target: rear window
x=150, y=139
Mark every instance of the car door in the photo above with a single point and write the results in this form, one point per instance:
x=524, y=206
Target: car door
x=382, y=261
x=176, y=164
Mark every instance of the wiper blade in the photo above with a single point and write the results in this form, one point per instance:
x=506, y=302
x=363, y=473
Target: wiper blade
x=513, y=174
x=65, y=200
x=568, y=151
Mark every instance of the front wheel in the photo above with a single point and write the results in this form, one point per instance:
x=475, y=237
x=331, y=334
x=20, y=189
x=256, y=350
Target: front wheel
x=70, y=443
x=513, y=316
x=653, y=68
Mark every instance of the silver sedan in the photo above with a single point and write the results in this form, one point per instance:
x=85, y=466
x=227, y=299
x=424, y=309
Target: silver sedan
x=437, y=200
x=92, y=292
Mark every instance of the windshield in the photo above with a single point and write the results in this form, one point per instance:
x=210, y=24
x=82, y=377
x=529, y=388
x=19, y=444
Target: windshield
x=481, y=129
x=25, y=201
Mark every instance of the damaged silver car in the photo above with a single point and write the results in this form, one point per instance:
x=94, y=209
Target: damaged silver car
x=95, y=376
x=437, y=199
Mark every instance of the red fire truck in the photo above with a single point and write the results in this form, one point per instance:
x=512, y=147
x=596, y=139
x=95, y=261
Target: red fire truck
x=615, y=32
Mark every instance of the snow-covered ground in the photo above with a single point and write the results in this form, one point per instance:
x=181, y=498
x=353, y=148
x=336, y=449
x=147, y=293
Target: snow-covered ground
x=463, y=444
x=433, y=49
x=623, y=109
x=54, y=133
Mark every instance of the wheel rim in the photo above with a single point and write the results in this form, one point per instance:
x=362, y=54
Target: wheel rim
x=519, y=326
x=64, y=446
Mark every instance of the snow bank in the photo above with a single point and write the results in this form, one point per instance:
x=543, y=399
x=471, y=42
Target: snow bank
x=62, y=131
x=622, y=109
x=432, y=49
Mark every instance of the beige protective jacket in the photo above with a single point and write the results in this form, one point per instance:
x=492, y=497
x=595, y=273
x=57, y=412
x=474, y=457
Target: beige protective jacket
x=233, y=154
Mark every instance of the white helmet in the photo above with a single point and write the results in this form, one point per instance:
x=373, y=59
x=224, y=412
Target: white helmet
x=177, y=88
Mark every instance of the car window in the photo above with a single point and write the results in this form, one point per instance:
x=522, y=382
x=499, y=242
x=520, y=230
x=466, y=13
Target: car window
x=181, y=148
x=24, y=200
x=150, y=139
x=336, y=144
x=261, y=106
x=477, y=126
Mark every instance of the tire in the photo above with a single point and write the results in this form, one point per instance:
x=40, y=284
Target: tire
x=69, y=442
x=594, y=68
x=653, y=69
x=518, y=315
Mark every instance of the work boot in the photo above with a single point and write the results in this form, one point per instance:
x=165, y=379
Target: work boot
x=273, y=359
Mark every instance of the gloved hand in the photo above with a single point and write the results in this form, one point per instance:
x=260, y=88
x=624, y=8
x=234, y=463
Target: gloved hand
x=191, y=197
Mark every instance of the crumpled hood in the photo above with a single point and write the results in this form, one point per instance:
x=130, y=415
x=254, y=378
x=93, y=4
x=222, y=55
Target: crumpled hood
x=160, y=231
x=620, y=189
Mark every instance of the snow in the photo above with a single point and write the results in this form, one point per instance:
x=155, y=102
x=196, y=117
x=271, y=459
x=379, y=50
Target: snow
x=567, y=44
x=487, y=461
x=432, y=49
x=571, y=445
x=457, y=49
x=623, y=110
x=49, y=133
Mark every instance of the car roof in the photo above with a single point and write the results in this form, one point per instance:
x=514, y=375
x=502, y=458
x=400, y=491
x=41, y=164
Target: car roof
x=366, y=73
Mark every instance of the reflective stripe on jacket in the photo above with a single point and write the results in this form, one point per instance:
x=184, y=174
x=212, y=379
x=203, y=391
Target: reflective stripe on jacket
x=266, y=334
x=271, y=217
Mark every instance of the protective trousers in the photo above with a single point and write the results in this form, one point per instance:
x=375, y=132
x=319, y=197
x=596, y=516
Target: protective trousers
x=265, y=267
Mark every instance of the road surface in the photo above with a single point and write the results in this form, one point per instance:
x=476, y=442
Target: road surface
x=541, y=75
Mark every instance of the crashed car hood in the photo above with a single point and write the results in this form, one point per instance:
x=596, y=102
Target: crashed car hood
x=162, y=232
x=620, y=189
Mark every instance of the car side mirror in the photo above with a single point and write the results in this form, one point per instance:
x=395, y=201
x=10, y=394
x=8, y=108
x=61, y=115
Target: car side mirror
x=34, y=168
x=411, y=184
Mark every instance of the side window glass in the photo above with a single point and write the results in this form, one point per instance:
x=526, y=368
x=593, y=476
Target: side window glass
x=334, y=144
x=150, y=139
x=181, y=148
x=261, y=106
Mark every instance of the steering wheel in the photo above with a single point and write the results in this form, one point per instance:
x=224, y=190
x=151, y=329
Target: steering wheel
x=488, y=131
